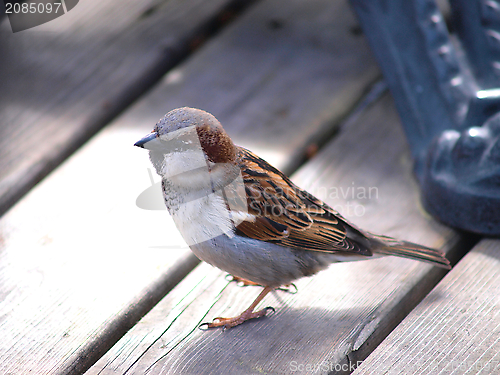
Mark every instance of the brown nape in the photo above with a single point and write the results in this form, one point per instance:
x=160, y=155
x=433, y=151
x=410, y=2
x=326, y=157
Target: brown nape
x=216, y=144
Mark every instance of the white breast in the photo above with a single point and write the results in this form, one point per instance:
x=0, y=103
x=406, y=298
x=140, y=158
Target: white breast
x=203, y=219
x=205, y=199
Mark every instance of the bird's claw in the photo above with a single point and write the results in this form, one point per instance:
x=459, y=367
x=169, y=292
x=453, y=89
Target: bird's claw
x=203, y=325
x=288, y=288
x=270, y=308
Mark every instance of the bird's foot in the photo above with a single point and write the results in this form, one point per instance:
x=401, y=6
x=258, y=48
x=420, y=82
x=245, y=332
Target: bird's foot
x=226, y=323
x=244, y=316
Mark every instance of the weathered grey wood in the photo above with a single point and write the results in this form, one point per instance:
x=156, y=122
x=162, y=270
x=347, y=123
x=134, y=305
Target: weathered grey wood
x=284, y=65
x=339, y=315
x=455, y=329
x=79, y=261
x=76, y=253
x=64, y=80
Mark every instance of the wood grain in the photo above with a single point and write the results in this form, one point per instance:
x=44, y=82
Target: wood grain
x=64, y=80
x=80, y=261
x=455, y=329
x=77, y=257
x=284, y=65
x=339, y=315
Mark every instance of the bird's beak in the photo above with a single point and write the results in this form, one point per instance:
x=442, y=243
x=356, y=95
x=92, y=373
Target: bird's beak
x=143, y=142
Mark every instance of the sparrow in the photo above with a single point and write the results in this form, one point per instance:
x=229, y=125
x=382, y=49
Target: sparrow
x=242, y=215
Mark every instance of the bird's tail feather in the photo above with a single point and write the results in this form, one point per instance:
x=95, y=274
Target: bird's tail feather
x=405, y=249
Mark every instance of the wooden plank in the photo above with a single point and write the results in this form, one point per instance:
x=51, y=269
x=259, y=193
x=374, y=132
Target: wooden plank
x=267, y=73
x=63, y=80
x=455, y=329
x=80, y=262
x=339, y=315
x=75, y=252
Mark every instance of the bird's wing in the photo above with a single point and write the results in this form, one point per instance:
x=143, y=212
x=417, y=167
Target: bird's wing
x=288, y=216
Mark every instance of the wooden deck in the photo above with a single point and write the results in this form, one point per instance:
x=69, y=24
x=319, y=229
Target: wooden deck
x=92, y=283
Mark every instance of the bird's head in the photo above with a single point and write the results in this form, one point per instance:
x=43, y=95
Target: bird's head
x=188, y=142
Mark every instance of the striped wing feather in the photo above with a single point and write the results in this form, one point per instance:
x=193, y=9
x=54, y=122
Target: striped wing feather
x=288, y=216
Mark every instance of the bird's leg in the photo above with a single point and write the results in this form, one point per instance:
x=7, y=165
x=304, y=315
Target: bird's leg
x=244, y=316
